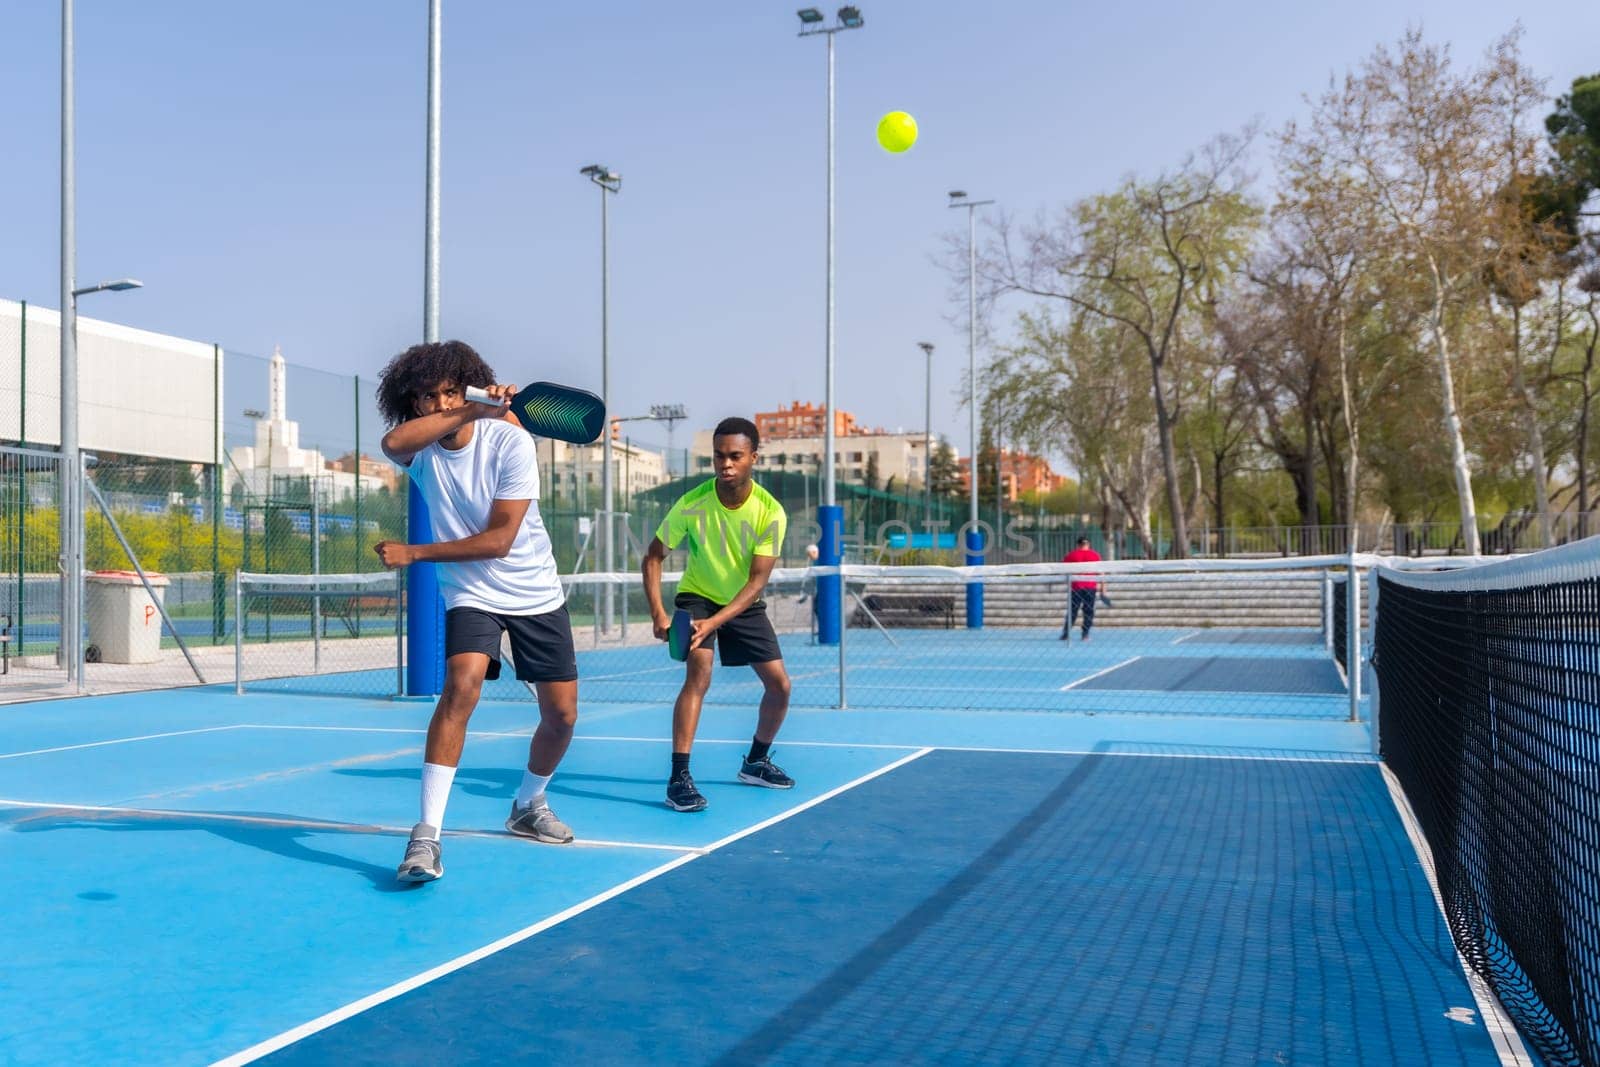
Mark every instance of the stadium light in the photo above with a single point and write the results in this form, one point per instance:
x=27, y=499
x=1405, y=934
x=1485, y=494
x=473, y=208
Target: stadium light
x=110, y=287
x=959, y=199
x=609, y=183
x=828, y=590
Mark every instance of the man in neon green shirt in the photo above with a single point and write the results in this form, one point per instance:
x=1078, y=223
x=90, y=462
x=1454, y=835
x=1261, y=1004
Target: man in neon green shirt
x=734, y=530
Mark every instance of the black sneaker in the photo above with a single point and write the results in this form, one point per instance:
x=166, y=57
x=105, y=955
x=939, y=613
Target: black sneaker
x=764, y=772
x=683, y=796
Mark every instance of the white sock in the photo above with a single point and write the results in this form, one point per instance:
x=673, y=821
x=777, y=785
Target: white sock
x=532, y=788
x=436, y=779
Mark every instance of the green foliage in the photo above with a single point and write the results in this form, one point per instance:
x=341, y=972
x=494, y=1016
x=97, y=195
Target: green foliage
x=944, y=473
x=1574, y=131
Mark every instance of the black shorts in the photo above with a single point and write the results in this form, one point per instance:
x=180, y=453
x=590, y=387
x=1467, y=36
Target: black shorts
x=744, y=639
x=541, y=645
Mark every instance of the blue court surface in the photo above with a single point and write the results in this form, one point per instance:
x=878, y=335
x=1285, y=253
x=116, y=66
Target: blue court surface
x=1152, y=671
x=200, y=877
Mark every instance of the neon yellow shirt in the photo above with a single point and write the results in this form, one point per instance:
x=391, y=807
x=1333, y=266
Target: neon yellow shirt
x=722, y=541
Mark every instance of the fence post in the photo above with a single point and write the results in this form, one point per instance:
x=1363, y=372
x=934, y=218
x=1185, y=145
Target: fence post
x=238, y=635
x=1352, y=625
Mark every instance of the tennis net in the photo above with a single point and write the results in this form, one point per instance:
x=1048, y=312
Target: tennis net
x=329, y=634
x=1489, y=717
x=1239, y=638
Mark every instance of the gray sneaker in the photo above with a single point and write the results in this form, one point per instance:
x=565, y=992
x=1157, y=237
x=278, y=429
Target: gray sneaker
x=422, y=863
x=538, y=822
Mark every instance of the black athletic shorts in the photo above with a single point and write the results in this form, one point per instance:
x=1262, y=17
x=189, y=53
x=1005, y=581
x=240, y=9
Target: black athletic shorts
x=744, y=639
x=541, y=645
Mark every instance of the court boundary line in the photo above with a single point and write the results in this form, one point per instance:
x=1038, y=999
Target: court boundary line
x=356, y=1007
x=1096, y=674
x=1497, y=1023
x=120, y=741
x=48, y=809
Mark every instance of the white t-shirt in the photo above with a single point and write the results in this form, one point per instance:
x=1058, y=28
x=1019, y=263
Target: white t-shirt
x=498, y=463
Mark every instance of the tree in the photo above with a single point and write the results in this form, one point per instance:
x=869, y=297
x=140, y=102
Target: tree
x=872, y=473
x=944, y=473
x=1151, y=258
x=1417, y=140
x=1574, y=132
x=1081, y=388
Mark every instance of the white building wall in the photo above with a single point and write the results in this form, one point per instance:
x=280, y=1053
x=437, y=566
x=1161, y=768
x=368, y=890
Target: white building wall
x=139, y=393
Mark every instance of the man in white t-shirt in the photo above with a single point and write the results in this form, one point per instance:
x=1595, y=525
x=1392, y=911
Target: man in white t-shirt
x=477, y=470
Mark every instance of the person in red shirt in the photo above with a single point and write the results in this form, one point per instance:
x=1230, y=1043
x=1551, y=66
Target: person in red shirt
x=1084, y=588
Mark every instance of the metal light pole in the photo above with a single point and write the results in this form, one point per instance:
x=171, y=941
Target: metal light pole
x=424, y=606
x=71, y=490
x=829, y=516
x=609, y=183
x=975, y=546
x=927, y=439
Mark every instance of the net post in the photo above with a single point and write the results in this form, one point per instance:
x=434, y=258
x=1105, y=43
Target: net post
x=1372, y=699
x=424, y=606
x=1352, y=625
x=238, y=634
x=399, y=633
x=830, y=587
x=975, y=546
x=1327, y=611
x=844, y=623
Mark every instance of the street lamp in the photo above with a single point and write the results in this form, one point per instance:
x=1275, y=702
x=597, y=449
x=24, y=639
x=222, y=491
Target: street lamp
x=927, y=439
x=609, y=183
x=671, y=414
x=811, y=25
x=72, y=506
x=959, y=199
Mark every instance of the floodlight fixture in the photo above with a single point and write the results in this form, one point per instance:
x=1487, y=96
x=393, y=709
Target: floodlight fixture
x=110, y=287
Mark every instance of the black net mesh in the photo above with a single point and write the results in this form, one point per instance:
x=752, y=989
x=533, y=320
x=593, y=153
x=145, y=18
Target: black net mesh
x=1490, y=717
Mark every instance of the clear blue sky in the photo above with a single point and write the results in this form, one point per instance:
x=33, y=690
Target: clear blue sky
x=260, y=168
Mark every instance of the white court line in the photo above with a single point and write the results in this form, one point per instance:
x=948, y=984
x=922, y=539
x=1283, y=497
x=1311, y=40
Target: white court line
x=1354, y=757
x=288, y=1037
x=1097, y=674
x=50, y=810
x=1181, y=638
x=1502, y=1031
x=1230, y=694
x=119, y=741
x=630, y=674
x=584, y=737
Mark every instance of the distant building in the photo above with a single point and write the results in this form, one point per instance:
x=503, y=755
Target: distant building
x=277, y=453
x=380, y=469
x=803, y=420
x=572, y=472
x=1019, y=473
x=901, y=456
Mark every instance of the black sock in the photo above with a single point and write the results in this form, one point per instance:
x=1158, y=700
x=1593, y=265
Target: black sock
x=758, y=749
x=680, y=765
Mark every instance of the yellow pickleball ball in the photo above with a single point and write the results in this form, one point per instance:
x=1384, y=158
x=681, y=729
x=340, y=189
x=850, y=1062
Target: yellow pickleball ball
x=897, y=131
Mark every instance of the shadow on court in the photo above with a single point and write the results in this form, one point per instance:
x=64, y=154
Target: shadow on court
x=284, y=841
x=501, y=783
